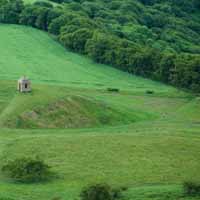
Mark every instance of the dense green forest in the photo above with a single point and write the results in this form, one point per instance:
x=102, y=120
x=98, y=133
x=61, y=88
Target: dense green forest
x=157, y=39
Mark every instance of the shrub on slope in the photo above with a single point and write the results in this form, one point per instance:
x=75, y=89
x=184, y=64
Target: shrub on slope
x=27, y=170
x=100, y=192
x=191, y=188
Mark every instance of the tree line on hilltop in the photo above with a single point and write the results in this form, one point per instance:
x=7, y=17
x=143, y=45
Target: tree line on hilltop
x=157, y=39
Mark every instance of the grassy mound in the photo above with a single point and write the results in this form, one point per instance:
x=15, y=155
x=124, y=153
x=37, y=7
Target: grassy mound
x=69, y=112
x=58, y=107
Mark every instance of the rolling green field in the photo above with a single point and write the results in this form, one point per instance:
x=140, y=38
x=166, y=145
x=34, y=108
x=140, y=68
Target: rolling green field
x=148, y=143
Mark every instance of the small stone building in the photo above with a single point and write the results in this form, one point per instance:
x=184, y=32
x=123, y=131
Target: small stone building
x=24, y=85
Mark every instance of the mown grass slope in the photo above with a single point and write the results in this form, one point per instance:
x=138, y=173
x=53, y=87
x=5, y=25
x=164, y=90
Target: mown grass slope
x=150, y=146
x=35, y=54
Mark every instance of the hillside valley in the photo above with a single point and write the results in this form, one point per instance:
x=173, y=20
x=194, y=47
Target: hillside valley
x=146, y=142
x=114, y=98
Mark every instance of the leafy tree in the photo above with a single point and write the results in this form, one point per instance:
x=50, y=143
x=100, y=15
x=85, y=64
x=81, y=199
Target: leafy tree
x=167, y=65
x=146, y=62
x=76, y=40
x=57, y=23
x=42, y=18
x=28, y=16
x=53, y=14
x=98, y=47
x=10, y=11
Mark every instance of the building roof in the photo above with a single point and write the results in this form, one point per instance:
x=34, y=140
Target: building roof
x=23, y=79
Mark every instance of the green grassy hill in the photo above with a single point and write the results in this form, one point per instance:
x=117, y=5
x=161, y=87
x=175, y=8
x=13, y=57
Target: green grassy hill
x=60, y=107
x=35, y=54
x=146, y=142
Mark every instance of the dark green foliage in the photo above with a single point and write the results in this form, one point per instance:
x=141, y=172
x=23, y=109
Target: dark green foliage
x=186, y=72
x=149, y=92
x=57, y=23
x=100, y=192
x=112, y=89
x=43, y=4
x=191, y=188
x=27, y=170
x=97, y=192
x=41, y=21
x=117, y=193
x=99, y=48
x=57, y=1
x=76, y=41
x=10, y=11
x=167, y=64
x=53, y=14
x=157, y=39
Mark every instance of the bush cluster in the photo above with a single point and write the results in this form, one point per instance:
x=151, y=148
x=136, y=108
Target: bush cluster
x=27, y=170
x=113, y=90
x=192, y=188
x=100, y=192
x=152, y=39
